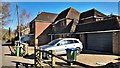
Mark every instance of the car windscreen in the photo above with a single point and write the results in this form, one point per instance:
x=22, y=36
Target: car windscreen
x=54, y=42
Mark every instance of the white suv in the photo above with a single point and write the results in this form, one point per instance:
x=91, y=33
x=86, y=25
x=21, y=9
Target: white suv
x=59, y=45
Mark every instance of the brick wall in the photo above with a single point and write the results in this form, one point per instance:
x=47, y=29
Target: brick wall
x=40, y=30
x=116, y=43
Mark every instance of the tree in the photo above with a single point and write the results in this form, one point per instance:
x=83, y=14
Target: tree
x=25, y=17
x=5, y=13
x=4, y=16
x=29, y=16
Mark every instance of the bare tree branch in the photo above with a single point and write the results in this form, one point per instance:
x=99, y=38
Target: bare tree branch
x=5, y=13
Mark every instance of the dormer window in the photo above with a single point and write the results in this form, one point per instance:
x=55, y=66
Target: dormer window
x=100, y=18
x=63, y=23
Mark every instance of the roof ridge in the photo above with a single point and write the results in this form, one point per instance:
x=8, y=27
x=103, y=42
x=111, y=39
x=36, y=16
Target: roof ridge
x=72, y=9
x=88, y=10
x=49, y=12
x=94, y=9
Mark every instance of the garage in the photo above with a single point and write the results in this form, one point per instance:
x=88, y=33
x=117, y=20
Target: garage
x=99, y=42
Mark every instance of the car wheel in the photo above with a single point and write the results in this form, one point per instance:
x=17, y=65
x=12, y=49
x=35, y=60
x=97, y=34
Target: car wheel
x=78, y=50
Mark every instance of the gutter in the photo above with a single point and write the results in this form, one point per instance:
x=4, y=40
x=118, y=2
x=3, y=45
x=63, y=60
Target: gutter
x=107, y=31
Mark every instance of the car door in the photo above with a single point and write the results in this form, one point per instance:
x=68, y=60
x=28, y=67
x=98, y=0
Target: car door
x=70, y=44
x=60, y=47
x=63, y=45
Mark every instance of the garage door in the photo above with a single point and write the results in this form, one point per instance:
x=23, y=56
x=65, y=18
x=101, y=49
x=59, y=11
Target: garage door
x=99, y=42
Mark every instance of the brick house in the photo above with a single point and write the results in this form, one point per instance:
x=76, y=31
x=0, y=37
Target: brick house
x=41, y=26
x=99, y=32
x=96, y=30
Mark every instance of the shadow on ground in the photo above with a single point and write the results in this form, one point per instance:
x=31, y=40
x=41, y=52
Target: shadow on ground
x=10, y=54
x=118, y=59
x=64, y=64
x=32, y=56
x=96, y=52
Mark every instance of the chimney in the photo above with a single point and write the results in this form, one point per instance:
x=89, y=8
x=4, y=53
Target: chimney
x=39, y=13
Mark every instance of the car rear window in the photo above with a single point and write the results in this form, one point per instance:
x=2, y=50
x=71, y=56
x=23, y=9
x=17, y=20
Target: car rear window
x=75, y=41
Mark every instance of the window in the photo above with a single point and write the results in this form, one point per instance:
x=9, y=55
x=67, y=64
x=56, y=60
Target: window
x=70, y=41
x=66, y=42
x=75, y=41
x=63, y=42
x=63, y=24
x=98, y=19
x=54, y=42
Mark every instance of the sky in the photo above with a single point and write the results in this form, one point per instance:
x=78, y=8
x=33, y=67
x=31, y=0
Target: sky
x=57, y=7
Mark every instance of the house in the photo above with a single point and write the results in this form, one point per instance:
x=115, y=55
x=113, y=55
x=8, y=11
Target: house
x=41, y=26
x=100, y=33
x=97, y=31
x=48, y=26
x=65, y=23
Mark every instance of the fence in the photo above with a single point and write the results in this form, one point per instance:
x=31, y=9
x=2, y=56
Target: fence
x=38, y=59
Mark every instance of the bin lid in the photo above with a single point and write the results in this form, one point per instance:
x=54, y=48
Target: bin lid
x=71, y=49
x=18, y=46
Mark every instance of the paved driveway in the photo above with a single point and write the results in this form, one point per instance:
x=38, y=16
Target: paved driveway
x=91, y=57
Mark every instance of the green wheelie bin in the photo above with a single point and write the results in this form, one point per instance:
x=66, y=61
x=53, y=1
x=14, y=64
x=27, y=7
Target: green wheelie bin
x=71, y=54
x=18, y=50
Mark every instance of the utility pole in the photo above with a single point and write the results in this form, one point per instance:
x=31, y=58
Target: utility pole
x=18, y=21
x=9, y=34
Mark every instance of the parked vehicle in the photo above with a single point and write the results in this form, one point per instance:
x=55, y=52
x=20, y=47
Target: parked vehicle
x=25, y=39
x=59, y=45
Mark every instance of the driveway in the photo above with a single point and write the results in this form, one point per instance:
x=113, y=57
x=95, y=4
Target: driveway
x=91, y=57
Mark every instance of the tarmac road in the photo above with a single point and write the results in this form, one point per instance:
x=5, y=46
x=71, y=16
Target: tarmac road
x=5, y=59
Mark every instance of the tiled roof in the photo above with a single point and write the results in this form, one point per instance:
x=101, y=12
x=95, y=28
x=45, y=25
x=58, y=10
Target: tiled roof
x=109, y=24
x=46, y=16
x=68, y=13
x=89, y=13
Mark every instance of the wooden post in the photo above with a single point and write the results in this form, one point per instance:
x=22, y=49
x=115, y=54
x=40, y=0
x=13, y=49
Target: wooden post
x=17, y=64
x=53, y=58
x=26, y=48
x=40, y=56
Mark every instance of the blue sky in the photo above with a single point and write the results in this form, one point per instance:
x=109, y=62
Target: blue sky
x=57, y=7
